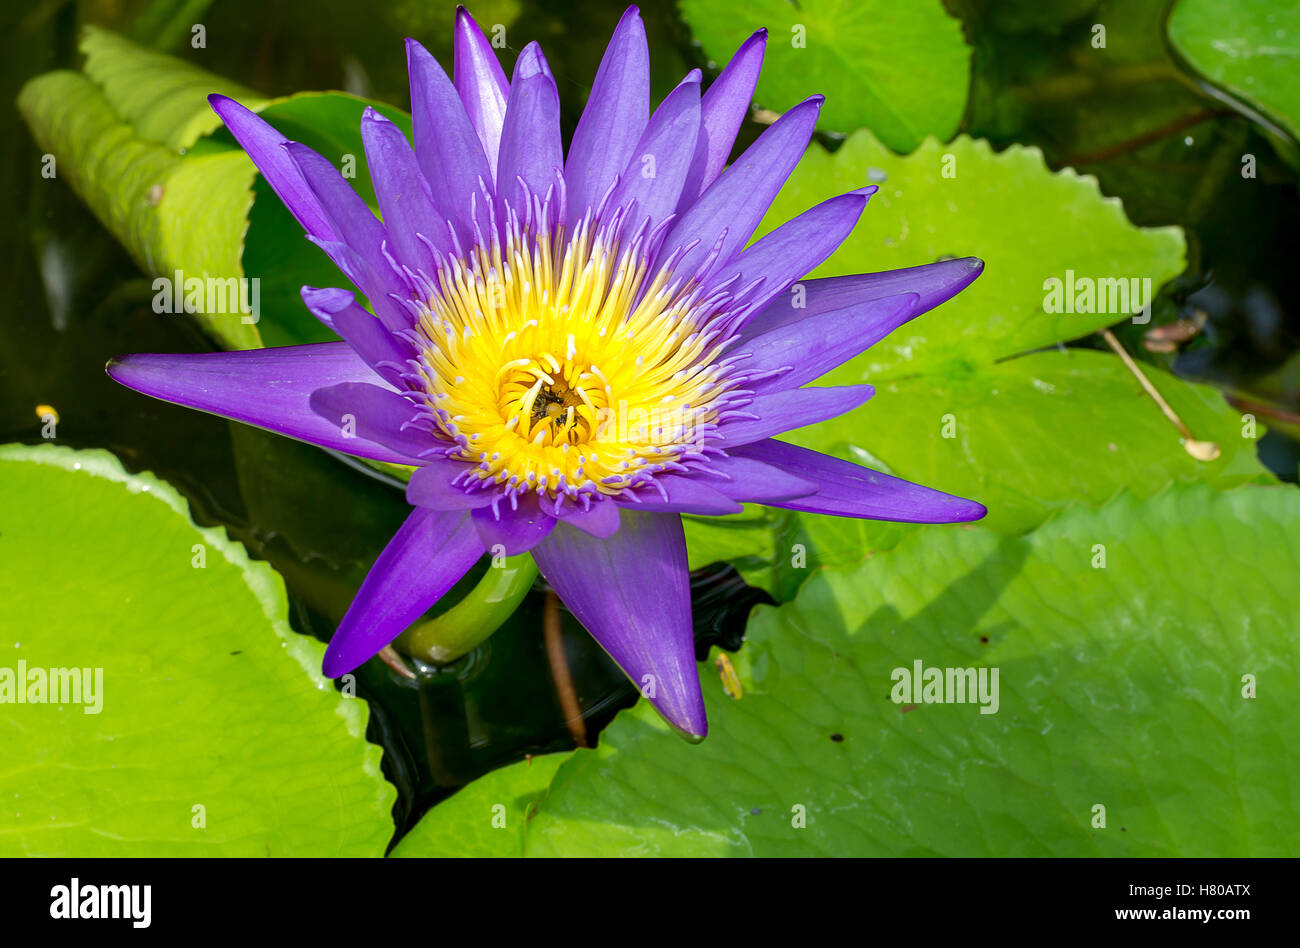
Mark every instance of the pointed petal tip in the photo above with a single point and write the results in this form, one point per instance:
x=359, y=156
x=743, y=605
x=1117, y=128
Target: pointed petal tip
x=958, y=273
x=341, y=658
x=131, y=369
x=531, y=62
x=136, y=369
x=226, y=107
x=692, y=738
x=691, y=724
x=416, y=53
x=335, y=665
x=949, y=508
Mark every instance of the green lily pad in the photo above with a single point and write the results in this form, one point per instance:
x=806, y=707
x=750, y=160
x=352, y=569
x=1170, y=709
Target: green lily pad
x=169, y=212
x=1250, y=48
x=1025, y=436
x=776, y=549
x=275, y=249
x=1122, y=687
x=861, y=54
x=1031, y=436
x=212, y=731
x=487, y=818
x=163, y=98
x=154, y=163
x=1027, y=224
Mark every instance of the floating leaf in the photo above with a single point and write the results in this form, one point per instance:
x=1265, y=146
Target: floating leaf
x=164, y=99
x=861, y=54
x=215, y=732
x=169, y=212
x=1030, y=436
x=153, y=162
x=1025, y=437
x=962, y=199
x=487, y=818
x=1250, y=48
x=1119, y=686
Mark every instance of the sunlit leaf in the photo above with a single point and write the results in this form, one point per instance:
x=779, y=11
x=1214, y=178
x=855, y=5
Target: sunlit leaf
x=862, y=55
x=214, y=732
x=1251, y=49
x=1122, y=687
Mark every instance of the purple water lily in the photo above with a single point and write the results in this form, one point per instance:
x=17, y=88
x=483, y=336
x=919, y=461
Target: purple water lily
x=571, y=350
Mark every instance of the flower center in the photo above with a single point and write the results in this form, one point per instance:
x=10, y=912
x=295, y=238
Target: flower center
x=566, y=367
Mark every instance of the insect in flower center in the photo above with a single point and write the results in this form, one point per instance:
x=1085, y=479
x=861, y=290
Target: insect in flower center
x=564, y=365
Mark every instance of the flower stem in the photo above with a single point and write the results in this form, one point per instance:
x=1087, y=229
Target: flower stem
x=560, y=670
x=468, y=623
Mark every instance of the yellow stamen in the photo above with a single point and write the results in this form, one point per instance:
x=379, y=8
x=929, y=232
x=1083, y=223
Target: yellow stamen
x=538, y=346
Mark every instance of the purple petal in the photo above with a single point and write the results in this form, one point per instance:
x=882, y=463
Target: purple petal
x=613, y=120
x=431, y=486
x=373, y=286
x=600, y=519
x=359, y=251
x=402, y=192
x=514, y=530
x=847, y=490
x=353, y=221
x=338, y=309
x=373, y=413
x=266, y=147
x=796, y=247
x=632, y=593
x=934, y=283
x=684, y=495
x=268, y=388
x=530, y=140
x=811, y=347
x=724, y=108
x=784, y=411
x=482, y=84
x=727, y=213
x=446, y=144
x=669, y=144
x=424, y=559
x=750, y=481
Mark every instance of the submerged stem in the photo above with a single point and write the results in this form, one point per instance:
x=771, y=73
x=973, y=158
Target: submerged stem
x=469, y=622
x=560, y=670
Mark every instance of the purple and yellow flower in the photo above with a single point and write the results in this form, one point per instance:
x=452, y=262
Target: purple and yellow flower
x=572, y=349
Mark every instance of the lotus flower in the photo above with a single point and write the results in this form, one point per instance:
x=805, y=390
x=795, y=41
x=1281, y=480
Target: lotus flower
x=572, y=349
